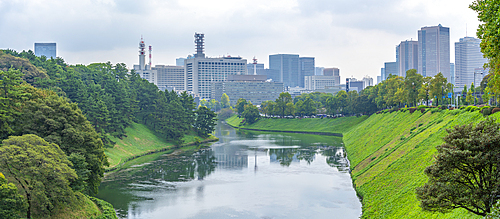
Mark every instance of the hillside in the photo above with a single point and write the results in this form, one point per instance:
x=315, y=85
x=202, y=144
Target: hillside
x=338, y=125
x=141, y=141
x=388, y=154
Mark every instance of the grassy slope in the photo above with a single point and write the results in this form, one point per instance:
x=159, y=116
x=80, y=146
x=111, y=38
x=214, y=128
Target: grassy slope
x=388, y=159
x=338, y=125
x=140, y=140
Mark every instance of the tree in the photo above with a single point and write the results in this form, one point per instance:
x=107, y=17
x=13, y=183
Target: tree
x=466, y=171
x=251, y=114
x=281, y=103
x=41, y=169
x=240, y=105
x=224, y=101
x=413, y=82
x=309, y=107
x=205, y=121
x=12, y=204
x=437, y=87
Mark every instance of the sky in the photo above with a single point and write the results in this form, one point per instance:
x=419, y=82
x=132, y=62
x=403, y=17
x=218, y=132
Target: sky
x=357, y=36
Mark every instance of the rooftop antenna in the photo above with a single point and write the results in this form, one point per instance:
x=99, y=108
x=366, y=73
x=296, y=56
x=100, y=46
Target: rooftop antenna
x=199, y=40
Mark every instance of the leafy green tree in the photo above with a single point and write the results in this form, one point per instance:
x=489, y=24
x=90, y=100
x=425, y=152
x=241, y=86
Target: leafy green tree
x=10, y=96
x=41, y=169
x=437, y=87
x=240, y=105
x=205, y=121
x=251, y=114
x=12, y=204
x=282, y=103
x=224, y=101
x=412, y=84
x=470, y=98
x=309, y=107
x=267, y=107
x=58, y=121
x=466, y=172
x=290, y=109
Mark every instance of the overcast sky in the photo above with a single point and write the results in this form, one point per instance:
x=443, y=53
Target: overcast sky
x=357, y=36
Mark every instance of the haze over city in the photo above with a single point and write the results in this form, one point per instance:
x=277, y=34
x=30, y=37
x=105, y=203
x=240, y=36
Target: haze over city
x=355, y=36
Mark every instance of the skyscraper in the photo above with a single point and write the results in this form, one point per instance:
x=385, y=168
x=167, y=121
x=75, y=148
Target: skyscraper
x=452, y=73
x=318, y=70
x=468, y=56
x=434, y=51
x=48, y=50
x=288, y=66
x=306, y=68
x=390, y=68
x=407, y=56
x=335, y=72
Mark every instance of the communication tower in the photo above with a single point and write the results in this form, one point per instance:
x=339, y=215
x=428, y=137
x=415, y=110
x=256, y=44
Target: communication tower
x=199, y=40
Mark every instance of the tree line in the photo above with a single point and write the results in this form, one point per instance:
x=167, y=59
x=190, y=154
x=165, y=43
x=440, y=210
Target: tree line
x=56, y=119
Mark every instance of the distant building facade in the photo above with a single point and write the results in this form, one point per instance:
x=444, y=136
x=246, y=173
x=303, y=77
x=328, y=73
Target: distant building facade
x=170, y=77
x=335, y=72
x=368, y=81
x=468, y=57
x=255, y=68
x=317, y=82
x=253, y=88
x=307, y=68
x=390, y=68
x=288, y=67
x=452, y=73
x=318, y=70
x=407, y=56
x=434, y=51
x=48, y=50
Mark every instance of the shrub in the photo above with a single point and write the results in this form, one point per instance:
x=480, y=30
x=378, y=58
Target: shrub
x=422, y=110
x=435, y=110
x=412, y=109
x=494, y=110
x=443, y=107
x=455, y=112
x=422, y=107
x=486, y=111
x=462, y=107
x=403, y=110
x=471, y=108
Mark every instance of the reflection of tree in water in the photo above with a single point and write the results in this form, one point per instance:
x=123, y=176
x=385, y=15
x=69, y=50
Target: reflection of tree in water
x=336, y=157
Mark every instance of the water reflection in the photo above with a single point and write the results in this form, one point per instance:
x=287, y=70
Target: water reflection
x=216, y=182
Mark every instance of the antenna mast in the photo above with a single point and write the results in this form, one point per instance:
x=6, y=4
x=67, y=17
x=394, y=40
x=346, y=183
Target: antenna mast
x=150, y=49
x=254, y=66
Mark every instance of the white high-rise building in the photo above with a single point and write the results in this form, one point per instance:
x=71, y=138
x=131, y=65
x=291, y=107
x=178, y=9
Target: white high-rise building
x=468, y=57
x=170, y=77
x=434, y=51
x=200, y=72
x=368, y=81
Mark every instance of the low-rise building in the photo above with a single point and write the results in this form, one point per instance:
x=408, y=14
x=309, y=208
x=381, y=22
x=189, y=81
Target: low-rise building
x=317, y=82
x=253, y=88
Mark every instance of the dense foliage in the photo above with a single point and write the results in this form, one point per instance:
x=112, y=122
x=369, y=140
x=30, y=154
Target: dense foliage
x=12, y=204
x=465, y=173
x=41, y=169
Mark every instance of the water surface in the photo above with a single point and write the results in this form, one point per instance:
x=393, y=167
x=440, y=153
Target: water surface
x=244, y=175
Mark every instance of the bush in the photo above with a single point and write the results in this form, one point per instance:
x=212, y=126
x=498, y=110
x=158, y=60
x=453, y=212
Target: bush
x=422, y=110
x=471, y=108
x=435, y=110
x=422, y=107
x=403, y=110
x=486, y=111
x=443, y=107
x=494, y=110
x=412, y=110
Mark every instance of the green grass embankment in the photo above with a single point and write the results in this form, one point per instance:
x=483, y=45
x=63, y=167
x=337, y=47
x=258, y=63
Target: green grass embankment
x=141, y=141
x=337, y=125
x=388, y=154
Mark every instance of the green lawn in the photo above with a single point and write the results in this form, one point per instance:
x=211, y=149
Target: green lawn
x=338, y=125
x=139, y=141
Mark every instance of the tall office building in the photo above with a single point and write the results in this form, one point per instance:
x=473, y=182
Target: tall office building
x=434, y=51
x=170, y=77
x=368, y=81
x=201, y=72
x=48, y=50
x=306, y=68
x=407, y=56
x=288, y=67
x=382, y=75
x=335, y=72
x=452, y=73
x=468, y=56
x=143, y=69
x=390, y=68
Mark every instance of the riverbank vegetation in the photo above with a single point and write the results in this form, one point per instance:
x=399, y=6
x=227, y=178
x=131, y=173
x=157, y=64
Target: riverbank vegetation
x=67, y=115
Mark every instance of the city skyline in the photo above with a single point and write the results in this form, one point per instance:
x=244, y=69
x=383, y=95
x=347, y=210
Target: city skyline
x=246, y=29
